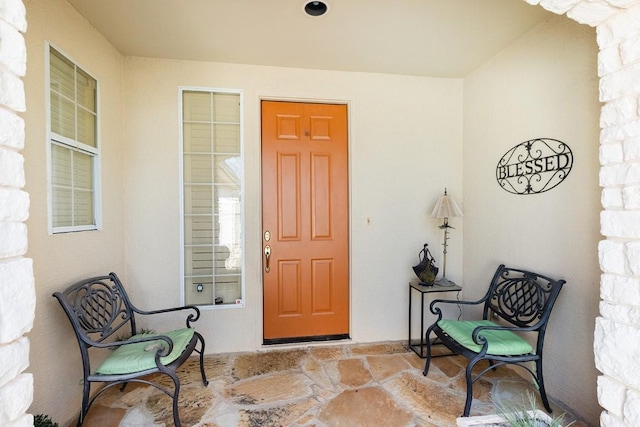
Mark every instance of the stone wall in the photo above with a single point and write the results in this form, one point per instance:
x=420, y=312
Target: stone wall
x=17, y=292
x=617, y=333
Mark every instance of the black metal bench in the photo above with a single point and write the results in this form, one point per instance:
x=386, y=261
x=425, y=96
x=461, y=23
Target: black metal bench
x=101, y=313
x=518, y=303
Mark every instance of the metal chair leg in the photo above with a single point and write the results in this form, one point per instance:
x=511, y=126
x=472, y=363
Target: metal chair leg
x=176, y=394
x=86, y=388
x=467, y=402
x=202, y=373
x=540, y=380
x=427, y=362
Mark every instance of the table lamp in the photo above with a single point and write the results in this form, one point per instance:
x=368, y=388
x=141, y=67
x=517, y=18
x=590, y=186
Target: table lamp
x=445, y=208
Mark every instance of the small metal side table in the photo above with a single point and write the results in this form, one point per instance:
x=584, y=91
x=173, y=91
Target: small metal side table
x=418, y=347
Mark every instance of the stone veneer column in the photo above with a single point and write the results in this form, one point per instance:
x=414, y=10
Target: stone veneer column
x=617, y=333
x=17, y=292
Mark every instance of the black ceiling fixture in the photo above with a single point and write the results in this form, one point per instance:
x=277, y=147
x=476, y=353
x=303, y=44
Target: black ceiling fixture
x=316, y=8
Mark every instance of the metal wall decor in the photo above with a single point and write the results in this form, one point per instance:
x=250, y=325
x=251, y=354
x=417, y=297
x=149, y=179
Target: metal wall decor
x=534, y=166
x=426, y=270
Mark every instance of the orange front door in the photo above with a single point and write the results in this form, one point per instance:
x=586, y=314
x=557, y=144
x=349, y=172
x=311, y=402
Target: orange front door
x=305, y=221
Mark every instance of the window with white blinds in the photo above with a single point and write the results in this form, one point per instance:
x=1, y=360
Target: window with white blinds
x=73, y=154
x=212, y=197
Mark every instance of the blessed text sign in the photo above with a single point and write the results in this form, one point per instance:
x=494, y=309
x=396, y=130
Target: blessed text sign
x=534, y=166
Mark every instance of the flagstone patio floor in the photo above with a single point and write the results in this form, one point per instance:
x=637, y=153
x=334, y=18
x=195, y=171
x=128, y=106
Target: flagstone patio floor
x=319, y=385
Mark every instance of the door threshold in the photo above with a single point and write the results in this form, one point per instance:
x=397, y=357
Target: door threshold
x=300, y=340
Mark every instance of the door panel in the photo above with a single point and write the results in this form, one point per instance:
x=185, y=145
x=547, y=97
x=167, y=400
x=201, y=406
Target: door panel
x=305, y=210
x=288, y=196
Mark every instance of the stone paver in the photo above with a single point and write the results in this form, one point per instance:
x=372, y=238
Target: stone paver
x=369, y=406
x=353, y=373
x=383, y=367
x=252, y=364
x=269, y=389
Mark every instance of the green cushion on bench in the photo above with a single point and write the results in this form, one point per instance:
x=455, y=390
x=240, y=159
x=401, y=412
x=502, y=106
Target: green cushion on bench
x=500, y=342
x=141, y=356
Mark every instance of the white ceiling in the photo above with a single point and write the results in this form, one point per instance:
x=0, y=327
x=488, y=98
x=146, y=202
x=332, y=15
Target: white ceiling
x=440, y=38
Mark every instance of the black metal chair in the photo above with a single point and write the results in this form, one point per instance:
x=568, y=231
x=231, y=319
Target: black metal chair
x=98, y=308
x=520, y=301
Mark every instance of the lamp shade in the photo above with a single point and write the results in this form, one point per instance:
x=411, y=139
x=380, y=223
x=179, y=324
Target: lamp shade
x=446, y=207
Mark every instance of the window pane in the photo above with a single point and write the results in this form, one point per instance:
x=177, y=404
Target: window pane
x=198, y=230
x=61, y=72
x=62, y=116
x=62, y=210
x=228, y=288
x=197, y=138
x=223, y=193
x=62, y=169
x=86, y=127
x=229, y=231
x=83, y=207
x=227, y=139
x=227, y=169
x=199, y=261
x=82, y=171
x=192, y=296
x=197, y=107
x=198, y=168
x=226, y=107
x=86, y=86
x=198, y=199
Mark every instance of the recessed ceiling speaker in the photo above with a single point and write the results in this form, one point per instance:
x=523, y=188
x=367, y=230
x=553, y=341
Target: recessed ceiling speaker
x=316, y=8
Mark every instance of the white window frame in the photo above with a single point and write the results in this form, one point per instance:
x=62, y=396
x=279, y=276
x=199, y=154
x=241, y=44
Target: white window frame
x=77, y=146
x=241, y=302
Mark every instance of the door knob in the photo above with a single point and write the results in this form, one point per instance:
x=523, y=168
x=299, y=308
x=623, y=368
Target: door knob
x=267, y=256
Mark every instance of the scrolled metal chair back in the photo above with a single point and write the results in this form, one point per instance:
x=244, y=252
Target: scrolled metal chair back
x=522, y=297
x=99, y=306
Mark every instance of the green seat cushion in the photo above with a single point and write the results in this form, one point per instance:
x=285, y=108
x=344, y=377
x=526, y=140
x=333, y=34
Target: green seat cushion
x=504, y=343
x=139, y=357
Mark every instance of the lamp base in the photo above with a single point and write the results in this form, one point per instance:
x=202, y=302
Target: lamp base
x=444, y=282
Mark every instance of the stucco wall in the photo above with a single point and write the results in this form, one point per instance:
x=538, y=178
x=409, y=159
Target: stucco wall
x=544, y=85
x=60, y=259
x=405, y=147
